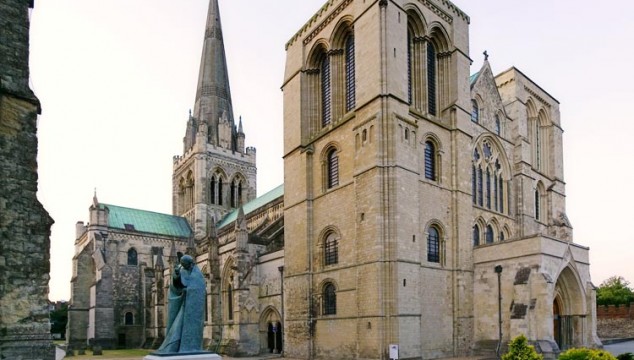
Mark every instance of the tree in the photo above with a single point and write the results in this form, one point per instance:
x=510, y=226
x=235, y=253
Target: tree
x=519, y=349
x=59, y=318
x=615, y=291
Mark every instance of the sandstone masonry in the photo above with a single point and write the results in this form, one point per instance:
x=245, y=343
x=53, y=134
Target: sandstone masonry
x=24, y=224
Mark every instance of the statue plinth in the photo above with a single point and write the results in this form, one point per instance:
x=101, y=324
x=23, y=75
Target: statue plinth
x=184, y=356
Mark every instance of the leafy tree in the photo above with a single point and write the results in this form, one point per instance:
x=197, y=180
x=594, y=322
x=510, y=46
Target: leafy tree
x=519, y=349
x=59, y=318
x=615, y=291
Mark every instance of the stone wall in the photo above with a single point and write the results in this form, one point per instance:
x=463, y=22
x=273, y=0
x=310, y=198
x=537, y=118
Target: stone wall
x=615, y=322
x=24, y=224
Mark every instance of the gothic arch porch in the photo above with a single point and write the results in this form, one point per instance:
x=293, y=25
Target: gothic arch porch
x=569, y=316
x=271, y=337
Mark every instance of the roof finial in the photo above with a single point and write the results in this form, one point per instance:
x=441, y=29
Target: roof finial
x=95, y=202
x=486, y=55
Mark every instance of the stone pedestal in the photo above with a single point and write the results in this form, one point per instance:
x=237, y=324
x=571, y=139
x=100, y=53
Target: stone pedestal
x=194, y=356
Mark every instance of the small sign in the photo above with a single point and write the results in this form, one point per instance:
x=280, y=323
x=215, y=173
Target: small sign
x=394, y=351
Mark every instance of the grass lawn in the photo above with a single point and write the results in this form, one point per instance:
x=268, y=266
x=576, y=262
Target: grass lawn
x=113, y=354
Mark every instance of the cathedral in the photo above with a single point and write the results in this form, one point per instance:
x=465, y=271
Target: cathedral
x=424, y=206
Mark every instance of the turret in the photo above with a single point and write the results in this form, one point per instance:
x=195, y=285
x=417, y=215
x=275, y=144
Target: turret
x=240, y=138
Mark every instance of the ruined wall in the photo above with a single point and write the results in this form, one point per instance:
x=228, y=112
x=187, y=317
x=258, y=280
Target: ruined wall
x=24, y=224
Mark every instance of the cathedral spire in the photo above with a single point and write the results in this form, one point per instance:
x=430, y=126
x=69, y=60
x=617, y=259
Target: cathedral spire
x=213, y=97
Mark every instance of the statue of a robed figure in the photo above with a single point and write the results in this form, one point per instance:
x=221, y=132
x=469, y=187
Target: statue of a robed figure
x=186, y=310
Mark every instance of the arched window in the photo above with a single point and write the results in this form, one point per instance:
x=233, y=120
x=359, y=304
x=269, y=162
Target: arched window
x=480, y=186
x=502, y=236
x=129, y=318
x=475, y=111
x=220, y=191
x=212, y=191
x=326, y=105
x=431, y=78
x=474, y=185
x=488, y=189
x=430, y=161
x=229, y=302
x=410, y=46
x=234, y=191
x=132, y=257
x=350, y=73
x=331, y=249
x=489, y=234
x=476, y=235
x=332, y=168
x=498, y=125
x=329, y=299
x=433, y=245
x=538, y=146
x=538, y=205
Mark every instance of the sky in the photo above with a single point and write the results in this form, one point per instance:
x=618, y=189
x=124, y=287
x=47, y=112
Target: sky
x=117, y=78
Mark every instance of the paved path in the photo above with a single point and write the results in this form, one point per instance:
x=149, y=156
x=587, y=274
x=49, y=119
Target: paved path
x=620, y=348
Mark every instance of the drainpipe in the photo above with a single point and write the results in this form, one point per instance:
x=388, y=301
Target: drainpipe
x=281, y=269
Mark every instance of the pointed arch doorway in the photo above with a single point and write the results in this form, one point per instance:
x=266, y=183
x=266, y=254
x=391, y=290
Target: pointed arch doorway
x=568, y=311
x=271, y=331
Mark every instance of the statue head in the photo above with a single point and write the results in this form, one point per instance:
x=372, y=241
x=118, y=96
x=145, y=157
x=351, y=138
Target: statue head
x=187, y=262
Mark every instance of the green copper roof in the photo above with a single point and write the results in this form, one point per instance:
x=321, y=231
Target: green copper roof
x=253, y=205
x=146, y=221
x=473, y=78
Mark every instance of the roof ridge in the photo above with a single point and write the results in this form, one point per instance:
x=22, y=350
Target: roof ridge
x=137, y=209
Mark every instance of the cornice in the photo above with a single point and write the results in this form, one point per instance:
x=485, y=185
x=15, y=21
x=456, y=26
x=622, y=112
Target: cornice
x=536, y=96
x=330, y=18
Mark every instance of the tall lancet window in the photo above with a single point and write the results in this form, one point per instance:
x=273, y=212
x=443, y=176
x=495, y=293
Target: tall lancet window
x=219, y=191
x=234, y=190
x=431, y=79
x=350, y=74
x=212, y=191
x=240, y=193
x=409, y=66
x=326, y=105
x=236, y=193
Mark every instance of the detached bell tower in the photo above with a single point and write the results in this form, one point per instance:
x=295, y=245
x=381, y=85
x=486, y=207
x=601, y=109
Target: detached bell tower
x=216, y=173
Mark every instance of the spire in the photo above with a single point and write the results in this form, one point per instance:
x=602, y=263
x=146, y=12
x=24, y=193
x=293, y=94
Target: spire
x=95, y=202
x=240, y=126
x=213, y=96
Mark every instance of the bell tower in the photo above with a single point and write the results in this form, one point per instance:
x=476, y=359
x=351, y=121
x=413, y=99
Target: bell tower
x=216, y=172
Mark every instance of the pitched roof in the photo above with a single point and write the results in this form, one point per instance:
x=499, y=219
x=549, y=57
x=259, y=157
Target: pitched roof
x=146, y=221
x=252, y=205
x=473, y=78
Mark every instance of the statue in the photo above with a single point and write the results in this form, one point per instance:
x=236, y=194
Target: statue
x=186, y=309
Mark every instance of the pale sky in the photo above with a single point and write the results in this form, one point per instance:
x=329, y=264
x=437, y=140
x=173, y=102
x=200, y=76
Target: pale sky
x=117, y=78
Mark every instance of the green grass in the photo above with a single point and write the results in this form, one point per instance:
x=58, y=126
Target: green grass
x=113, y=354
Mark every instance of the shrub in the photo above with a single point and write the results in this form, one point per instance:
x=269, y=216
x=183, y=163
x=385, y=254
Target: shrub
x=586, y=354
x=626, y=356
x=519, y=349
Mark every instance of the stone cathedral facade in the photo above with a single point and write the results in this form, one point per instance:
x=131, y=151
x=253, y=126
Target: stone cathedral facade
x=424, y=206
